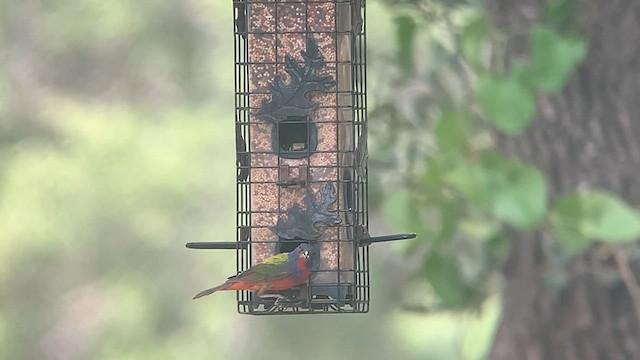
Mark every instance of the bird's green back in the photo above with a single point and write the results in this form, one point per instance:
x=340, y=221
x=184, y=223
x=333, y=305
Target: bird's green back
x=273, y=267
x=276, y=259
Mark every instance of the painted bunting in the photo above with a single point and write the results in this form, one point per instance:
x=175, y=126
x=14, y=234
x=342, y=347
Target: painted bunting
x=279, y=272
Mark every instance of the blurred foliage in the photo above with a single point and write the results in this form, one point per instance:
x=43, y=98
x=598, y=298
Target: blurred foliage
x=450, y=91
x=116, y=133
x=581, y=218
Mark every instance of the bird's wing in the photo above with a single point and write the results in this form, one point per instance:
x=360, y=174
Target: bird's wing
x=272, y=268
x=276, y=259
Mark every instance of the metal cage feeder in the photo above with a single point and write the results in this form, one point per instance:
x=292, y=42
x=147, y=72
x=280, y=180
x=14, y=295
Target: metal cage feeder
x=301, y=145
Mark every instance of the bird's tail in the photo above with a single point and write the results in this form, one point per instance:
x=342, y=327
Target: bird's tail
x=211, y=291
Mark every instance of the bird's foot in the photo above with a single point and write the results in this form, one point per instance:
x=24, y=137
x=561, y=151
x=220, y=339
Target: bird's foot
x=288, y=302
x=281, y=301
x=272, y=296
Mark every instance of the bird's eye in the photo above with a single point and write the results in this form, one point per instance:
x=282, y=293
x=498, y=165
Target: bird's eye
x=305, y=254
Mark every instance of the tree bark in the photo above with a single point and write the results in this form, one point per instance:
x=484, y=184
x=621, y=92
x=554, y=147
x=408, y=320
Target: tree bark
x=588, y=136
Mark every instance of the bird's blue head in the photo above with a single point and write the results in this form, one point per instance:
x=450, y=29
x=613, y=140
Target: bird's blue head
x=304, y=251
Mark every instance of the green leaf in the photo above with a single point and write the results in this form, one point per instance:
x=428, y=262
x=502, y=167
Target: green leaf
x=579, y=219
x=610, y=218
x=554, y=58
x=507, y=102
x=434, y=175
x=498, y=246
x=405, y=35
x=472, y=40
x=474, y=182
x=449, y=221
x=522, y=201
x=446, y=280
x=402, y=211
x=566, y=218
x=397, y=210
x=520, y=73
x=563, y=14
x=479, y=229
x=452, y=133
x=513, y=192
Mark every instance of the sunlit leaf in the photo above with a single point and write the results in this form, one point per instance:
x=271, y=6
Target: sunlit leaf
x=554, y=58
x=396, y=209
x=452, y=132
x=401, y=210
x=508, y=103
x=434, y=174
x=472, y=40
x=522, y=201
x=579, y=219
x=480, y=229
x=474, y=182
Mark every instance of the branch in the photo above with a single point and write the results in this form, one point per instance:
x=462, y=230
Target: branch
x=630, y=280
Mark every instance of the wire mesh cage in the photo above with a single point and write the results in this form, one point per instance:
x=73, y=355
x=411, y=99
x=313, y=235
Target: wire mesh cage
x=300, y=116
x=301, y=144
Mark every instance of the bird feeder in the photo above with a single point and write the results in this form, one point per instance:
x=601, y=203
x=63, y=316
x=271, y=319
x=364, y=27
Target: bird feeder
x=301, y=144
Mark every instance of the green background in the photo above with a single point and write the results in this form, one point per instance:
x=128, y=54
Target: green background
x=116, y=148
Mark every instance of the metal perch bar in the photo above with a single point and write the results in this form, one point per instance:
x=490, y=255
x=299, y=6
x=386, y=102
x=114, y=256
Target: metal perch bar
x=383, y=238
x=218, y=245
x=228, y=245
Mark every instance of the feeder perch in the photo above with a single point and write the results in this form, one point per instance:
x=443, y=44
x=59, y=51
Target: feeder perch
x=301, y=145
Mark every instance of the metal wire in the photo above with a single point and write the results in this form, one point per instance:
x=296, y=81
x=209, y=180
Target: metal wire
x=347, y=291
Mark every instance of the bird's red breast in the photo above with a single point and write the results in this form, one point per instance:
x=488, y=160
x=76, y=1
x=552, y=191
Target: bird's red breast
x=301, y=275
x=303, y=267
x=278, y=272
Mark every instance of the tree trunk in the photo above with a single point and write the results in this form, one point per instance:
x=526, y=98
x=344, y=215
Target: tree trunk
x=586, y=136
